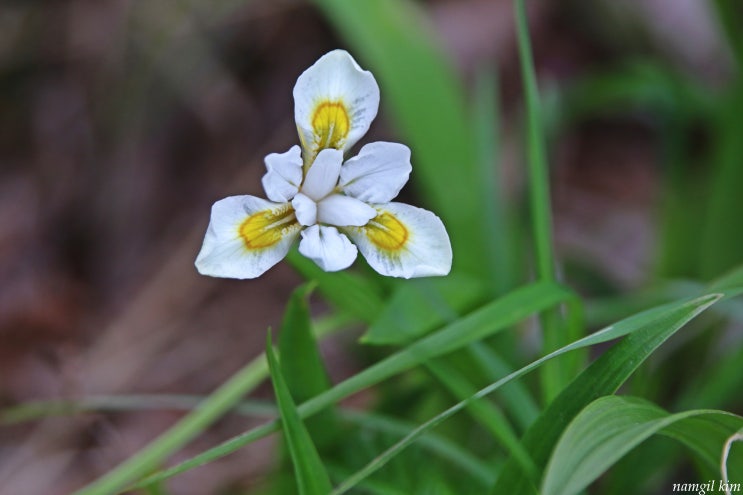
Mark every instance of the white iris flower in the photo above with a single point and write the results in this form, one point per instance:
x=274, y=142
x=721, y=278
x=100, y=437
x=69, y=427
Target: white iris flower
x=312, y=192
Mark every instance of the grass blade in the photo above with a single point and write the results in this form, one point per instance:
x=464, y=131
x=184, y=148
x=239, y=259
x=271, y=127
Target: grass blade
x=646, y=331
x=488, y=320
x=539, y=194
x=516, y=397
x=422, y=305
x=312, y=479
x=485, y=413
x=301, y=364
x=213, y=407
x=650, y=329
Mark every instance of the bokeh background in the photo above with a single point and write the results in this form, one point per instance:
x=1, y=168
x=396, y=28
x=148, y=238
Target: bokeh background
x=121, y=122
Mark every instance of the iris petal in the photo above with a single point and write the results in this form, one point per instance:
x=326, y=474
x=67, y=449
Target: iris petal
x=377, y=173
x=323, y=175
x=343, y=211
x=283, y=175
x=335, y=102
x=327, y=247
x=246, y=236
x=404, y=241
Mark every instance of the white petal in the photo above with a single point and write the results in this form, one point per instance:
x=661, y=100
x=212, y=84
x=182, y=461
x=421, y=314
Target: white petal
x=343, y=211
x=305, y=209
x=284, y=174
x=323, y=174
x=377, y=173
x=335, y=102
x=246, y=236
x=327, y=247
x=404, y=241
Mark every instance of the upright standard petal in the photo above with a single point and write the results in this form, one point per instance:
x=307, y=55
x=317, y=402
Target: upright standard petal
x=283, y=175
x=246, y=236
x=335, y=102
x=377, y=173
x=404, y=241
x=344, y=211
x=323, y=175
x=327, y=247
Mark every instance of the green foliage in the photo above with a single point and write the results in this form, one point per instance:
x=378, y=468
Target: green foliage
x=611, y=426
x=603, y=377
x=420, y=306
x=310, y=473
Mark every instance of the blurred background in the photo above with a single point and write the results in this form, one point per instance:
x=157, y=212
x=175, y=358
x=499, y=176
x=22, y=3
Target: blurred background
x=121, y=122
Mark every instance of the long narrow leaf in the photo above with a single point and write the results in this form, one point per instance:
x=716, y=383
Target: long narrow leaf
x=486, y=413
x=301, y=364
x=312, y=479
x=420, y=306
x=647, y=330
x=651, y=328
x=210, y=410
x=486, y=321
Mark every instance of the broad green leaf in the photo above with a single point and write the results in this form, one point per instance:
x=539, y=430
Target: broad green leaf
x=312, y=479
x=392, y=38
x=648, y=330
x=609, y=427
x=301, y=364
x=419, y=306
x=488, y=320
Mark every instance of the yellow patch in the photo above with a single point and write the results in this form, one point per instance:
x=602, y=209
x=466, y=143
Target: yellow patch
x=331, y=124
x=266, y=228
x=387, y=232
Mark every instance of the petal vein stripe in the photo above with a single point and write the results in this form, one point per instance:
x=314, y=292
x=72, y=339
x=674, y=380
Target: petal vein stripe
x=265, y=228
x=331, y=124
x=387, y=232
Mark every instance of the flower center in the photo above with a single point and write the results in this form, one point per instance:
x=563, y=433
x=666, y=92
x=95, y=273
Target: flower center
x=331, y=124
x=265, y=228
x=387, y=232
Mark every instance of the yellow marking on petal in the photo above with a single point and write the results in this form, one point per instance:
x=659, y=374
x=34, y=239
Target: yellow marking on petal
x=331, y=124
x=266, y=228
x=387, y=232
